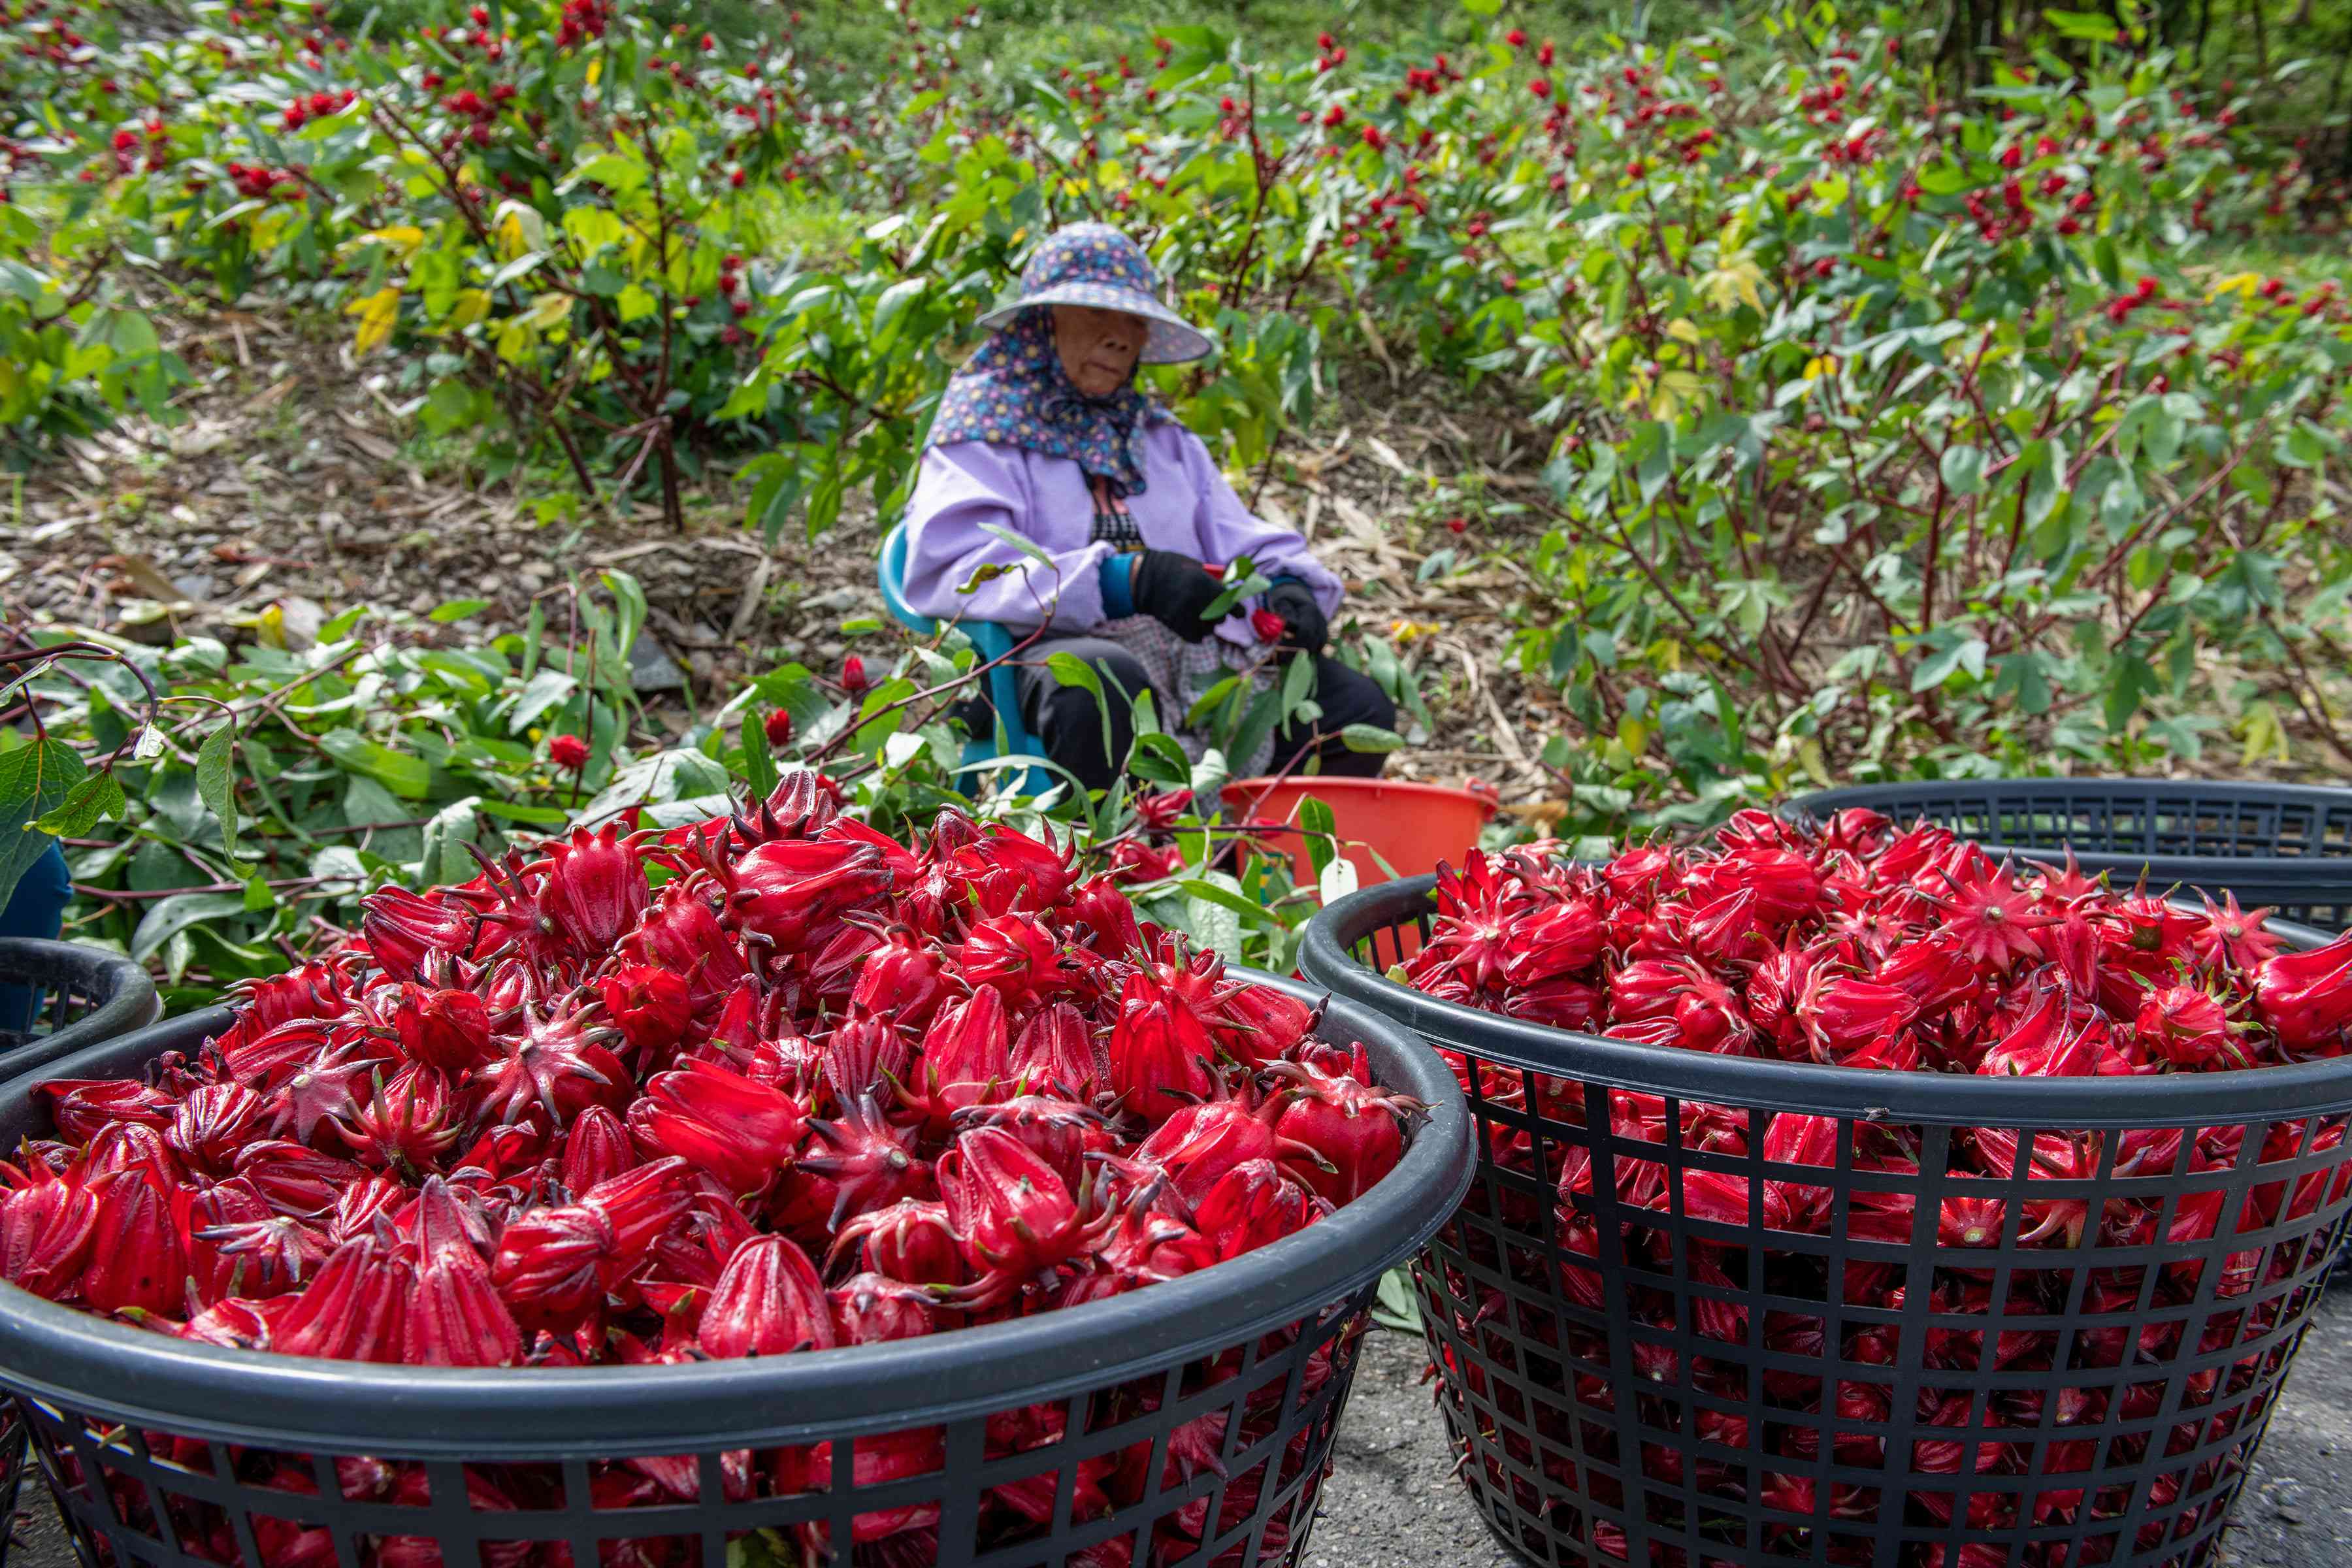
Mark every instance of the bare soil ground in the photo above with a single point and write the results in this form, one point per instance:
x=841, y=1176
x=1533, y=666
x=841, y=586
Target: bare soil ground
x=293, y=481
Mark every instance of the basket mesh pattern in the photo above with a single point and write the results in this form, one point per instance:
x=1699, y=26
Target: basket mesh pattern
x=59, y=997
x=1214, y=1461
x=2177, y=831
x=1629, y=1383
x=11, y=1473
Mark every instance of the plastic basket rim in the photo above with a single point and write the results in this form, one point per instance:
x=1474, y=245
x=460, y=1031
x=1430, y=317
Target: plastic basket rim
x=129, y=1003
x=2305, y=1089
x=73, y=1359
x=2178, y=866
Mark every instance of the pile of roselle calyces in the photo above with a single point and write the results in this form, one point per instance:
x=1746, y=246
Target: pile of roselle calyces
x=1858, y=944
x=1863, y=946
x=815, y=1089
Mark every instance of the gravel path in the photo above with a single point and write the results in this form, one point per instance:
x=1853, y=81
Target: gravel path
x=1393, y=1501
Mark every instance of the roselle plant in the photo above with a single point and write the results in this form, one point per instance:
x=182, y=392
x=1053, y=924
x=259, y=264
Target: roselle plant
x=1885, y=423
x=226, y=808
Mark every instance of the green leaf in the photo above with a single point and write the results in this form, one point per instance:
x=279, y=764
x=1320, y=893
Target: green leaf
x=1248, y=586
x=1966, y=653
x=407, y=776
x=541, y=692
x=216, y=782
x=1964, y=470
x=888, y=309
x=630, y=597
x=35, y=780
x=1369, y=737
x=98, y=796
x=1226, y=893
x=1157, y=759
x=1321, y=829
x=1396, y=1307
x=759, y=759
x=167, y=918
x=441, y=855
x=1070, y=669
x=2088, y=24
x=456, y=610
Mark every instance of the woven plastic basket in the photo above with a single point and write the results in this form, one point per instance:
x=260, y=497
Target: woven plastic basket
x=1189, y=1421
x=2288, y=846
x=1629, y=1383
x=83, y=995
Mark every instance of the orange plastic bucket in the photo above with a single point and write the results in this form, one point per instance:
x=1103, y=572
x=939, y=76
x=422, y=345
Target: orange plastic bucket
x=1411, y=825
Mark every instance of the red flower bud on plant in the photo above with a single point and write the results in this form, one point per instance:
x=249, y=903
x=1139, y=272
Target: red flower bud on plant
x=852, y=675
x=569, y=752
x=778, y=727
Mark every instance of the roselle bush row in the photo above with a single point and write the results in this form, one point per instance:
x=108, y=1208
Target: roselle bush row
x=1882, y=425
x=769, y=1083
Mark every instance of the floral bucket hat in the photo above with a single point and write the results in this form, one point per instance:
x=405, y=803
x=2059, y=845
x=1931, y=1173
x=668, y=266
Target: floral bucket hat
x=1095, y=264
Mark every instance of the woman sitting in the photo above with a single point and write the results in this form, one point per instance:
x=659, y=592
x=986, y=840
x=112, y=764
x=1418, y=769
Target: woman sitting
x=1043, y=435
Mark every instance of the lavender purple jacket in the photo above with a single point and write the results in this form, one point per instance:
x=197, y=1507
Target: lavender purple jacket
x=1186, y=506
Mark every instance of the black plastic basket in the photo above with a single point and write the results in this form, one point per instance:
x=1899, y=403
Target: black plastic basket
x=84, y=995
x=1792, y=1428
x=2288, y=846
x=164, y=1452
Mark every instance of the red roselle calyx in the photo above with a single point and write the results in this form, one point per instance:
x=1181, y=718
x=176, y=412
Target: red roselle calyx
x=821, y=1089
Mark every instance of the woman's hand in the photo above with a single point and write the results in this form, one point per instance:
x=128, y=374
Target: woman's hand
x=1294, y=601
x=1174, y=590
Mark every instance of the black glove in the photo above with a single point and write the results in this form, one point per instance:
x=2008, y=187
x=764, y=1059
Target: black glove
x=1174, y=590
x=1294, y=601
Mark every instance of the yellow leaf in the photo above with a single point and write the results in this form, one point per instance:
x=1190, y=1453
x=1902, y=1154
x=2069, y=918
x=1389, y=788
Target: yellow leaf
x=2241, y=284
x=1820, y=365
x=593, y=227
x=1810, y=758
x=2265, y=737
x=515, y=338
x=402, y=237
x=471, y=305
x=519, y=230
x=551, y=310
x=1734, y=281
x=595, y=69
x=1634, y=735
x=1684, y=331
x=377, y=312
x=1110, y=176
x=1675, y=389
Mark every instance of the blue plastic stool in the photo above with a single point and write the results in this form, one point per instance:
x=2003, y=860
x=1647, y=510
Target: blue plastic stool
x=1011, y=738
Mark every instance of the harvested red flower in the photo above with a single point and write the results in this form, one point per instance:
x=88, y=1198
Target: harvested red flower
x=823, y=1087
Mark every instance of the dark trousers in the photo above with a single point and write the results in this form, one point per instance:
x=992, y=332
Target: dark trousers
x=37, y=909
x=1069, y=726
